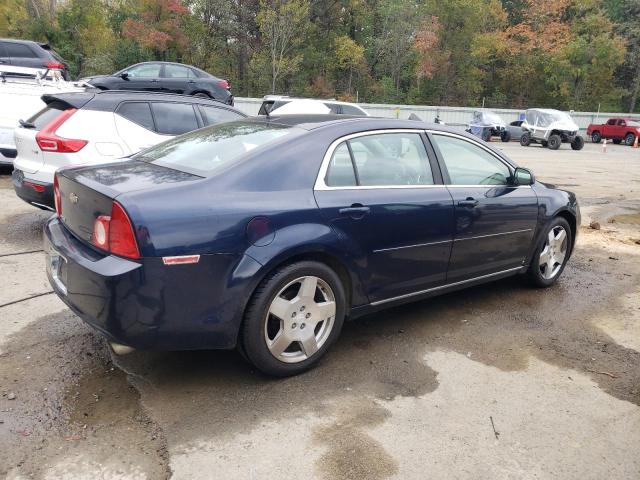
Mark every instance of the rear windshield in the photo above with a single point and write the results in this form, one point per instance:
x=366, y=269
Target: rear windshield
x=46, y=115
x=207, y=151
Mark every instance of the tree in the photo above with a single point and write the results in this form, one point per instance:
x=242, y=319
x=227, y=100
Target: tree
x=282, y=24
x=349, y=57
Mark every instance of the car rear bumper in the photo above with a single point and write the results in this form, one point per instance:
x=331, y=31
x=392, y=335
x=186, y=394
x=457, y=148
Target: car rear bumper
x=39, y=194
x=146, y=304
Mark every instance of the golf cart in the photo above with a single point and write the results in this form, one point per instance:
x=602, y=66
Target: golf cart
x=550, y=128
x=485, y=125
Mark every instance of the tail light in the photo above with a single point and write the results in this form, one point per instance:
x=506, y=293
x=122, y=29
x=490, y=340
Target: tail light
x=115, y=233
x=54, y=65
x=224, y=84
x=56, y=196
x=48, y=141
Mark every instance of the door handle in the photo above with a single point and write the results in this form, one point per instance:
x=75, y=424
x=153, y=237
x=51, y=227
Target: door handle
x=355, y=211
x=469, y=203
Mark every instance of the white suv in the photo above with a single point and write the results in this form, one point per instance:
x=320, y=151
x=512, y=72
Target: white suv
x=97, y=127
x=271, y=102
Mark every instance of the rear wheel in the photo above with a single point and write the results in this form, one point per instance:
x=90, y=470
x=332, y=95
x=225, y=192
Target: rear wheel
x=596, y=137
x=554, y=142
x=486, y=135
x=525, y=139
x=551, y=254
x=577, y=143
x=629, y=139
x=505, y=136
x=293, y=318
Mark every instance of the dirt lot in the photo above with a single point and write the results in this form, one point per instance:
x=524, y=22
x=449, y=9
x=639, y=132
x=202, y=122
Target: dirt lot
x=498, y=381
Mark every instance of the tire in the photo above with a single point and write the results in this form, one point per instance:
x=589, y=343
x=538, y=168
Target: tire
x=525, y=139
x=288, y=356
x=578, y=143
x=537, y=272
x=617, y=141
x=486, y=135
x=554, y=142
x=505, y=136
x=629, y=139
x=596, y=137
x=201, y=95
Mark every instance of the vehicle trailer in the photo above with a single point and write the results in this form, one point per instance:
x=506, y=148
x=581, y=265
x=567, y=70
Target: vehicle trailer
x=617, y=129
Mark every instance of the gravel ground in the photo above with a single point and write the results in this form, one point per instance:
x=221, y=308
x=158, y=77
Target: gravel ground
x=497, y=381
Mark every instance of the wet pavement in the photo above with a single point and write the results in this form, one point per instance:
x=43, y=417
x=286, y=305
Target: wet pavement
x=496, y=381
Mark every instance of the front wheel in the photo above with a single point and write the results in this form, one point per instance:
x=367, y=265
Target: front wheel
x=525, y=139
x=554, y=142
x=577, y=143
x=293, y=318
x=629, y=139
x=551, y=254
x=596, y=137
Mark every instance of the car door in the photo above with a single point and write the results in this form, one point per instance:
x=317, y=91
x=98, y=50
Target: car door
x=177, y=78
x=621, y=126
x=495, y=220
x=142, y=77
x=381, y=194
x=610, y=129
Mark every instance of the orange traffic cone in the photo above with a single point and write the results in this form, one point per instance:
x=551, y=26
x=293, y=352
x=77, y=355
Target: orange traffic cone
x=635, y=142
x=604, y=146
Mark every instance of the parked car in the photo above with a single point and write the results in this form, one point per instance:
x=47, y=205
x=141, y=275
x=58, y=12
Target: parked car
x=272, y=102
x=166, y=77
x=550, y=128
x=486, y=124
x=25, y=53
x=97, y=127
x=515, y=129
x=616, y=129
x=266, y=233
x=21, y=89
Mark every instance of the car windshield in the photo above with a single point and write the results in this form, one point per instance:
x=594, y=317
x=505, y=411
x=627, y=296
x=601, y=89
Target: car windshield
x=546, y=118
x=207, y=151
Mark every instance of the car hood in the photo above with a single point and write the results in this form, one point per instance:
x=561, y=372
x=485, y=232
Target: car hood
x=94, y=77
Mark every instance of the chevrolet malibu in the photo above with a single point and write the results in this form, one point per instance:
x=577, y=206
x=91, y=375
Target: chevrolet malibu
x=265, y=234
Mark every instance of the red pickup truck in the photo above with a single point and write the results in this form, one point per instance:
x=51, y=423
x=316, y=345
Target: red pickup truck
x=616, y=129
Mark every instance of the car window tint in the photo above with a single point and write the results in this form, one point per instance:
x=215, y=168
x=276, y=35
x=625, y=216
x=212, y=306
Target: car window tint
x=177, y=71
x=391, y=159
x=213, y=115
x=622, y=123
x=174, y=118
x=17, y=50
x=46, y=115
x=351, y=110
x=3, y=51
x=611, y=122
x=333, y=107
x=207, y=151
x=340, y=172
x=469, y=164
x=149, y=70
x=137, y=112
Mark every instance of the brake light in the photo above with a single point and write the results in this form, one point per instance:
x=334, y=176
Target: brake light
x=224, y=84
x=56, y=196
x=115, y=233
x=48, y=141
x=54, y=65
x=35, y=186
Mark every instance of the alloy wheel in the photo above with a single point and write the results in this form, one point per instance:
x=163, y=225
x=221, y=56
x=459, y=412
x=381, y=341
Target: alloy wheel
x=300, y=319
x=553, y=253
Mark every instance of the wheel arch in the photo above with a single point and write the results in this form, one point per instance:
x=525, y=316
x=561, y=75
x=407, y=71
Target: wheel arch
x=572, y=221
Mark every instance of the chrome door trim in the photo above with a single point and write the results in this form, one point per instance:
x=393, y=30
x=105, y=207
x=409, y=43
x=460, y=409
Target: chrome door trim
x=412, y=246
x=441, y=287
x=493, y=235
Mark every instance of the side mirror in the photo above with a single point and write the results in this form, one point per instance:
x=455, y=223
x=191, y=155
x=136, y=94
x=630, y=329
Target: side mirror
x=523, y=176
x=124, y=75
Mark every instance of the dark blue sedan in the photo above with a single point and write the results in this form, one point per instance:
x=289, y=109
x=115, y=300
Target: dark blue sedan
x=265, y=234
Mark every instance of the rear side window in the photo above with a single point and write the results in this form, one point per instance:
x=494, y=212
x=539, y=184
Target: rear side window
x=351, y=110
x=213, y=115
x=137, y=112
x=341, y=173
x=17, y=50
x=174, y=118
x=177, y=71
x=333, y=107
x=622, y=123
x=46, y=115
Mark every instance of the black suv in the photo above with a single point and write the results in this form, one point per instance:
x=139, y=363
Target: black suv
x=166, y=77
x=25, y=53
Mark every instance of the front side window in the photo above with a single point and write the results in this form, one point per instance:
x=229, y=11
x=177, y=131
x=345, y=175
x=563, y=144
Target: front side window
x=174, y=118
x=207, y=151
x=386, y=159
x=137, y=112
x=148, y=70
x=469, y=164
x=611, y=122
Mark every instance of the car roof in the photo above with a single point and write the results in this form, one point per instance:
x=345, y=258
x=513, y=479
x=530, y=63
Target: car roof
x=167, y=63
x=324, y=100
x=106, y=99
